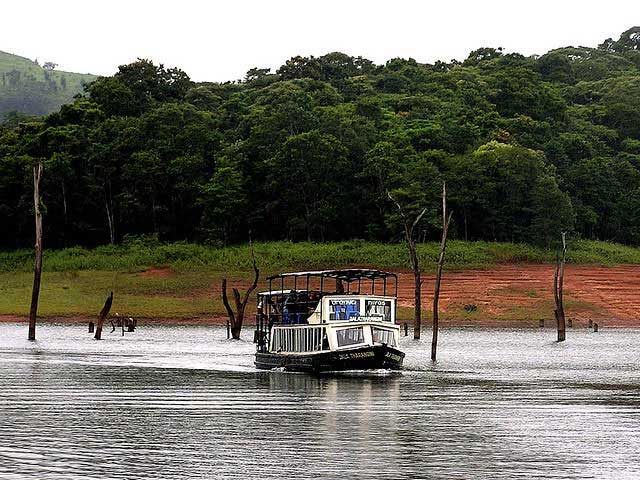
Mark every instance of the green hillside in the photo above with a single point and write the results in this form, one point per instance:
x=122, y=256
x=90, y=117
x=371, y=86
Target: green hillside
x=28, y=88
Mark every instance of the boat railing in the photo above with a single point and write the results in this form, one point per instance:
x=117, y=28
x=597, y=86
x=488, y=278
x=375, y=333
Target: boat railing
x=298, y=338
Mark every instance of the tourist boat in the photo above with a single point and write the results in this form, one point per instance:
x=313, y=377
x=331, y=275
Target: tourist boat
x=329, y=320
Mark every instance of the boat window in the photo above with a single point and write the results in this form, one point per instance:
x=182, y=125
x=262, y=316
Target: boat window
x=298, y=306
x=343, y=309
x=350, y=336
x=382, y=335
x=378, y=308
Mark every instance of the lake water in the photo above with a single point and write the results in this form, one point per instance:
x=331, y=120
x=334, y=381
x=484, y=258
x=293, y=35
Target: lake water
x=184, y=402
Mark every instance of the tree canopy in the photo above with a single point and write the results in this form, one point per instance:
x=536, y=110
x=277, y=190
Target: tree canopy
x=528, y=146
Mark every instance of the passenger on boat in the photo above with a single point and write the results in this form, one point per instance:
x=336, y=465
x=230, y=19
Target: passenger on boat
x=294, y=311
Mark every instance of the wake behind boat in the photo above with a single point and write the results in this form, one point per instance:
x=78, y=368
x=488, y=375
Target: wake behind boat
x=329, y=320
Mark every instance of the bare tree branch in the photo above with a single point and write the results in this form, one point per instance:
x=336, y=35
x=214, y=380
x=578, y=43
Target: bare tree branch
x=446, y=220
x=37, y=270
x=103, y=315
x=256, y=277
x=225, y=301
x=237, y=318
x=558, y=287
x=397, y=204
x=417, y=220
x=415, y=265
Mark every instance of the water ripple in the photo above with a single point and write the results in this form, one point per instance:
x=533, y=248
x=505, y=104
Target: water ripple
x=184, y=402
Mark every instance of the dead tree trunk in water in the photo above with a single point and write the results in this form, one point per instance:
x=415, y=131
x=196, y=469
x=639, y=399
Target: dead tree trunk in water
x=231, y=320
x=436, y=294
x=103, y=315
x=558, y=284
x=37, y=270
x=415, y=265
x=237, y=318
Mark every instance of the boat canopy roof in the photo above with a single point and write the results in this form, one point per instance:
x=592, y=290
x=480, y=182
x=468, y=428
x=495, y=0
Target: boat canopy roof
x=347, y=275
x=274, y=292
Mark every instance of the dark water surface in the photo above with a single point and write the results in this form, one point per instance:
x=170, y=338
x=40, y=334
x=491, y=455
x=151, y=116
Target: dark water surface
x=184, y=402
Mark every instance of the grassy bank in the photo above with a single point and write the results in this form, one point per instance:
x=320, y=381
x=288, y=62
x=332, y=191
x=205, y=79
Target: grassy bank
x=279, y=256
x=186, y=280
x=180, y=295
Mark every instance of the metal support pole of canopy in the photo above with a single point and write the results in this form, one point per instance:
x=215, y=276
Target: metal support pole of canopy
x=395, y=308
x=321, y=299
x=269, y=310
x=283, y=299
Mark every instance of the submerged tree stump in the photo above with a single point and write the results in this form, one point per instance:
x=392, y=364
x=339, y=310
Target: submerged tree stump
x=126, y=324
x=103, y=315
x=236, y=319
x=558, y=283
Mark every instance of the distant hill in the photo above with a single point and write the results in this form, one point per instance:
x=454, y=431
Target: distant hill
x=28, y=88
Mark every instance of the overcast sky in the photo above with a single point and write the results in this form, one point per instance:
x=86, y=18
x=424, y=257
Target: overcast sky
x=220, y=40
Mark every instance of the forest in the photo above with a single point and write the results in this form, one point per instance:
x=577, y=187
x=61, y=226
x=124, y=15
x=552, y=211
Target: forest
x=527, y=146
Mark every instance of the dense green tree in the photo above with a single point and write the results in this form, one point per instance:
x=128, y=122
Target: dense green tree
x=629, y=40
x=224, y=203
x=508, y=193
x=412, y=179
x=113, y=96
x=528, y=147
x=598, y=186
x=313, y=176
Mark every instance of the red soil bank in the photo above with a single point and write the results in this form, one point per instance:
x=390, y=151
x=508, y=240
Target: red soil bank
x=523, y=294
